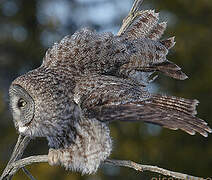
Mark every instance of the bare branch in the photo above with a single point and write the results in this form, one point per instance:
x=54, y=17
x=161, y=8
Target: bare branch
x=18, y=151
x=15, y=166
x=140, y=167
x=20, y=146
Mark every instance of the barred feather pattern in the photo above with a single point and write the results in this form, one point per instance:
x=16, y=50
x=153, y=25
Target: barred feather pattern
x=145, y=25
x=167, y=111
x=142, y=25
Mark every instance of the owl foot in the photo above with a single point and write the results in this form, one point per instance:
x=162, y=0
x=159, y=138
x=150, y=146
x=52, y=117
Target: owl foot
x=54, y=157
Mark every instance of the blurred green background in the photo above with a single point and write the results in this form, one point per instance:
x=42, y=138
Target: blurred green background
x=28, y=28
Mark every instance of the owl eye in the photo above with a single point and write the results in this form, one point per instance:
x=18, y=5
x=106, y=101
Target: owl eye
x=21, y=103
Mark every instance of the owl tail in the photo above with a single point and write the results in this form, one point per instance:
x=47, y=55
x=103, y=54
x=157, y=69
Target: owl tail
x=168, y=68
x=145, y=24
x=167, y=111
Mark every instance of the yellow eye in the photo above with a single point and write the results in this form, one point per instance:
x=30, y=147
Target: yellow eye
x=21, y=103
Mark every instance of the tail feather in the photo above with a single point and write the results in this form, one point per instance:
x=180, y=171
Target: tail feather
x=174, y=74
x=168, y=43
x=143, y=23
x=157, y=31
x=166, y=67
x=171, y=69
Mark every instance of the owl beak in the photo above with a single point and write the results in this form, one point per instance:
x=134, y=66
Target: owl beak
x=22, y=129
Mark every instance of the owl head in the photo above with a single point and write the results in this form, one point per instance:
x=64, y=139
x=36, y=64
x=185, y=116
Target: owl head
x=42, y=103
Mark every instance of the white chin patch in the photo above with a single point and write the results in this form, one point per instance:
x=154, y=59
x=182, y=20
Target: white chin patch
x=22, y=129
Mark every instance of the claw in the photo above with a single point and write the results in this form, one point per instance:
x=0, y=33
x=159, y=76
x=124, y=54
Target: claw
x=53, y=157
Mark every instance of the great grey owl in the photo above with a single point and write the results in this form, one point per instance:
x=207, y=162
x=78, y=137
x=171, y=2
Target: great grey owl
x=88, y=80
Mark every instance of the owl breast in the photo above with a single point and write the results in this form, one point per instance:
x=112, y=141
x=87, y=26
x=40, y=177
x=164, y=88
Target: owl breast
x=91, y=146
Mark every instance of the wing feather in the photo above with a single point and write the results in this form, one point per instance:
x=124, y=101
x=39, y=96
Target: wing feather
x=167, y=111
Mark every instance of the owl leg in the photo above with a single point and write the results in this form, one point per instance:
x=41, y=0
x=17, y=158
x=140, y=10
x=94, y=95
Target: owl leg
x=90, y=147
x=76, y=160
x=63, y=157
x=54, y=157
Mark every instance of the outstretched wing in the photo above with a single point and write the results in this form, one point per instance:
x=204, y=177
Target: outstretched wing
x=170, y=112
x=138, y=48
x=109, y=99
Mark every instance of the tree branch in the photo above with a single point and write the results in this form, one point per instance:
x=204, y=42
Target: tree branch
x=141, y=168
x=15, y=166
x=18, y=151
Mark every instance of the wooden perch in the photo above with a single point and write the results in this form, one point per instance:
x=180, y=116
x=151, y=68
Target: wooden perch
x=15, y=166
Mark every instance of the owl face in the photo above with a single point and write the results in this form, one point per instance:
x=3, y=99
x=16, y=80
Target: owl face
x=42, y=103
x=22, y=107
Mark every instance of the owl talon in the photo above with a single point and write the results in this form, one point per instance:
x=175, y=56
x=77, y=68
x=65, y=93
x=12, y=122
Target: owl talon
x=53, y=157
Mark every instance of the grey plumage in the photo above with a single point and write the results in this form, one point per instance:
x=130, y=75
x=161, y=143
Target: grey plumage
x=88, y=80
